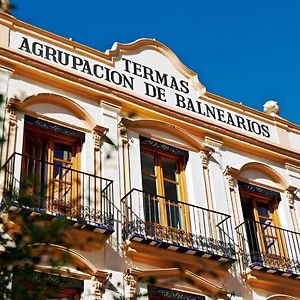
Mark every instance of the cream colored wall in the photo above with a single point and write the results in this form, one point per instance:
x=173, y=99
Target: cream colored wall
x=294, y=139
x=110, y=152
x=135, y=160
x=22, y=88
x=195, y=180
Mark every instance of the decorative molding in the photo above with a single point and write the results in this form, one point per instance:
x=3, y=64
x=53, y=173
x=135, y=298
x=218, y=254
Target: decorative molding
x=131, y=282
x=55, y=280
x=171, y=294
x=229, y=174
x=54, y=127
x=98, y=132
x=290, y=197
x=97, y=140
x=163, y=147
x=259, y=190
x=123, y=132
x=98, y=288
x=12, y=119
x=204, y=158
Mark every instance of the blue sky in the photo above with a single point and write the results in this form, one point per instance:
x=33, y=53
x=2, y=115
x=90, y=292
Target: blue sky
x=246, y=51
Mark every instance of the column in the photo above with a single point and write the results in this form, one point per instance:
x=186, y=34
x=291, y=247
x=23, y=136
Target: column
x=204, y=155
x=98, y=133
x=289, y=194
x=229, y=176
x=125, y=156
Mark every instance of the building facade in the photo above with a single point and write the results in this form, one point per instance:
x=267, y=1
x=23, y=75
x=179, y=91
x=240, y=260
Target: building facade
x=187, y=195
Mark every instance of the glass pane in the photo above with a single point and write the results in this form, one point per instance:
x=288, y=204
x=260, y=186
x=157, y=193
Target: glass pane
x=148, y=163
x=149, y=185
x=173, y=214
x=63, y=152
x=171, y=191
x=62, y=192
x=151, y=208
x=62, y=171
x=271, y=245
x=263, y=209
x=169, y=168
x=151, y=204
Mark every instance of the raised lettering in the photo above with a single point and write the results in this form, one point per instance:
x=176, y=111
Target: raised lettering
x=180, y=101
x=95, y=69
x=50, y=52
x=184, y=86
x=265, y=131
x=77, y=61
x=25, y=46
x=37, y=49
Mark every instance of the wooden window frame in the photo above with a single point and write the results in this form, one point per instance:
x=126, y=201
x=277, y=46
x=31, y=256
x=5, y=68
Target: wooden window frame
x=180, y=182
x=52, y=137
x=272, y=202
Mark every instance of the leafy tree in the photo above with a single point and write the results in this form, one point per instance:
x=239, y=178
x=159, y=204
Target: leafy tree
x=24, y=244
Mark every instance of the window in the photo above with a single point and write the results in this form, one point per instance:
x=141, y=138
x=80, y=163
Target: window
x=49, y=167
x=163, y=186
x=265, y=239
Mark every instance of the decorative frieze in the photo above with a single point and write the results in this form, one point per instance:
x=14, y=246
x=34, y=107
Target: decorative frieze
x=259, y=190
x=172, y=294
x=164, y=147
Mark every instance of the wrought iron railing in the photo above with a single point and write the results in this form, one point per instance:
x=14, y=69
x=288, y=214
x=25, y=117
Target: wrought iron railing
x=155, y=217
x=265, y=245
x=55, y=188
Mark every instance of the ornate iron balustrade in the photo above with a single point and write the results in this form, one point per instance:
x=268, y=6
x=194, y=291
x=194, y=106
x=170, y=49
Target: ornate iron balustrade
x=57, y=189
x=157, y=219
x=270, y=248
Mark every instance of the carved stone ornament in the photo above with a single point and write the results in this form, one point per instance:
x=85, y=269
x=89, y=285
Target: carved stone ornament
x=123, y=132
x=4, y=6
x=12, y=118
x=204, y=158
x=229, y=179
x=97, y=140
x=271, y=107
x=98, y=288
x=131, y=282
x=98, y=132
x=290, y=197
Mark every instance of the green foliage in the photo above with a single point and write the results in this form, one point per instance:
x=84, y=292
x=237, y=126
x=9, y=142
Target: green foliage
x=25, y=243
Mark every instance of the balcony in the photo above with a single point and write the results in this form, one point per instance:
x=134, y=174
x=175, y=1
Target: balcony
x=36, y=186
x=269, y=249
x=178, y=226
